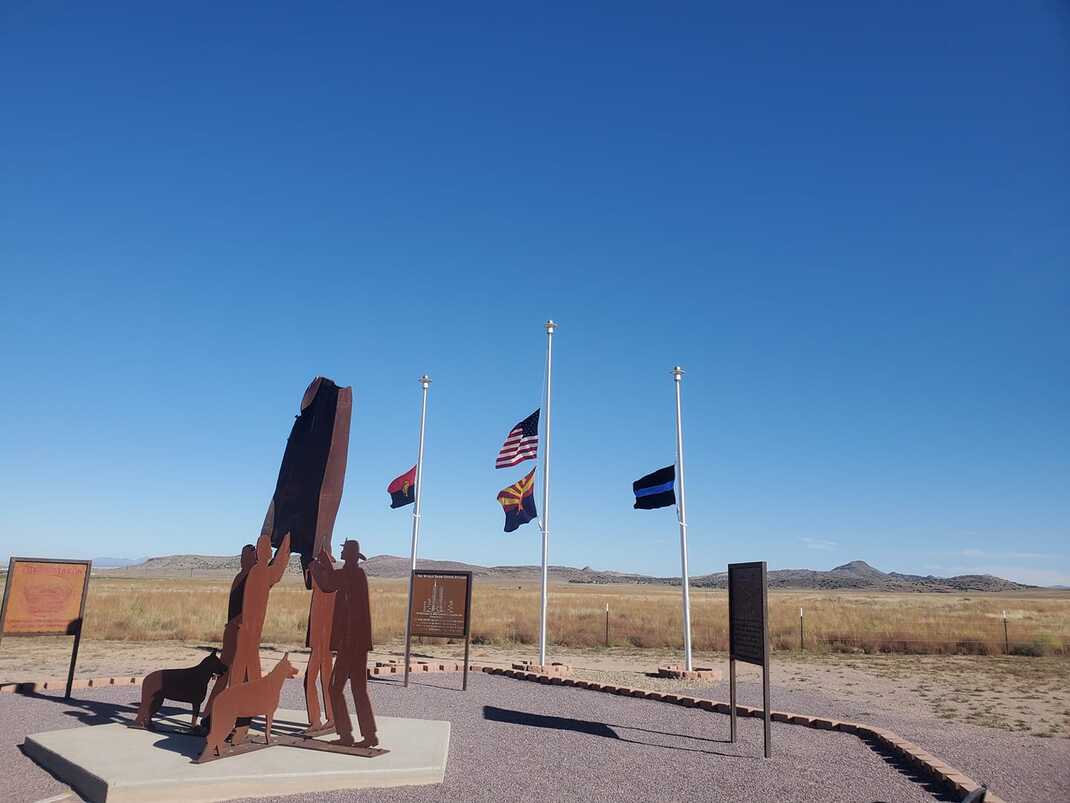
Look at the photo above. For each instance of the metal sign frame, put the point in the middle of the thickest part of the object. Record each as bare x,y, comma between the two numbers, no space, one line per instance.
75,629
732,657
411,630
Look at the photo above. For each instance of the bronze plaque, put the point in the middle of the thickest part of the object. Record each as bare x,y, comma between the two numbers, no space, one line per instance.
44,597
440,604
747,613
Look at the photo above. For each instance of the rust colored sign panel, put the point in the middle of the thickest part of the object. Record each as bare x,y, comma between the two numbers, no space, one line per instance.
441,602
44,597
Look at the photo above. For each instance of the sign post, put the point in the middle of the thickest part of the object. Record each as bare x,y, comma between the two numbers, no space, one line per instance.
46,597
748,633
441,608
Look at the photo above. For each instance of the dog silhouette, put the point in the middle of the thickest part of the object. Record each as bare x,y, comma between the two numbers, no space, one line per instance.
185,685
258,697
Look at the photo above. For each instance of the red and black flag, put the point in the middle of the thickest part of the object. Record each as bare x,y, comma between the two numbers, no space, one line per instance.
522,443
655,489
518,502
403,490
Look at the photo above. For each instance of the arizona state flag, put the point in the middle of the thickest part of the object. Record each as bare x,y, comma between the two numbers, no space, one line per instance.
655,489
403,490
518,502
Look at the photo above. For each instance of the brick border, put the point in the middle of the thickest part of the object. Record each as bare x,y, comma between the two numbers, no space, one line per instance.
936,770
931,767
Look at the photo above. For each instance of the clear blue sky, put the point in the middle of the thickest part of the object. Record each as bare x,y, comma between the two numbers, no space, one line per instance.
849,224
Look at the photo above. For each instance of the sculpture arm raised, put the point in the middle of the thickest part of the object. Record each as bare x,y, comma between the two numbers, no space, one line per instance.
278,564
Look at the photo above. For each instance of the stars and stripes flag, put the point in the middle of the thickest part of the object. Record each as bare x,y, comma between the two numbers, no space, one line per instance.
521,444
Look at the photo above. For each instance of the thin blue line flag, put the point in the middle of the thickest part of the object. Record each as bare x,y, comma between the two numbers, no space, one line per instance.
655,489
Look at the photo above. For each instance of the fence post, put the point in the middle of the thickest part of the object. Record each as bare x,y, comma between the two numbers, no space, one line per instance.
1006,639
607,624
801,642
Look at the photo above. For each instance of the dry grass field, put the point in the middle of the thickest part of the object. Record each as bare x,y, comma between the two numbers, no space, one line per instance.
644,617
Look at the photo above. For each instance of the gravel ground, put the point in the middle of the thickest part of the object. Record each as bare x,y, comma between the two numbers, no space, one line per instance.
515,740
1018,767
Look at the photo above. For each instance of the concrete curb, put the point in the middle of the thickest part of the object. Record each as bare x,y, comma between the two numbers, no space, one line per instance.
880,739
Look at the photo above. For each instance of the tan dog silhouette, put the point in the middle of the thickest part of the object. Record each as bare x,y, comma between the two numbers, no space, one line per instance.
255,698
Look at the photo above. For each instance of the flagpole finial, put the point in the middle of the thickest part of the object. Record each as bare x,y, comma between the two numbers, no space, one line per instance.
550,327
425,380
677,372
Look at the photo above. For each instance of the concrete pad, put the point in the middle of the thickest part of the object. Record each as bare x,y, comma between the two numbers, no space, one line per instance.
114,763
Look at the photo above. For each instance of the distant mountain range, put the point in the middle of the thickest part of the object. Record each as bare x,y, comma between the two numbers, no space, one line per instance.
854,575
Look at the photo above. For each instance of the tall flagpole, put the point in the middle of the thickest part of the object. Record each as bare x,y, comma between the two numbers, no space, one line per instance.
425,383
550,327
677,375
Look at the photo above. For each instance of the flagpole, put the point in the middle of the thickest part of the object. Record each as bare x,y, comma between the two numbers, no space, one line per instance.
425,383
550,327
677,375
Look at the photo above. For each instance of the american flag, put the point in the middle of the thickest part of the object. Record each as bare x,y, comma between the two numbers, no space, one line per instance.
521,444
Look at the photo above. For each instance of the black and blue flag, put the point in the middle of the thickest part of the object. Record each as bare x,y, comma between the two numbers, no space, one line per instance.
655,489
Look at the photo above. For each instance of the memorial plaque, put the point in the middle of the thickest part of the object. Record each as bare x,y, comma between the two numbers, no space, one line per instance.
44,597
440,604
747,613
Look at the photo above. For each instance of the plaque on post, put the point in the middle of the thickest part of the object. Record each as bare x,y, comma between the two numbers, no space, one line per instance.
46,597
748,632
441,608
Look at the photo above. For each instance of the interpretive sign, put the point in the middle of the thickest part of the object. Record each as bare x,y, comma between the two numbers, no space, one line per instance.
748,632
45,597
746,613
441,604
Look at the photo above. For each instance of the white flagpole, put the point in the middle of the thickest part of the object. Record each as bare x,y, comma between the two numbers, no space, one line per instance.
425,383
681,504
550,327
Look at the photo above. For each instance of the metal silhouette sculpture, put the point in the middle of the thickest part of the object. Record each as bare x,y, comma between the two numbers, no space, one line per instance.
312,475
184,685
351,636
230,631
260,578
259,697
320,618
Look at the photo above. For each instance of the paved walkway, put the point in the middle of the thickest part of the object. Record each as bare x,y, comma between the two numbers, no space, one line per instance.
522,741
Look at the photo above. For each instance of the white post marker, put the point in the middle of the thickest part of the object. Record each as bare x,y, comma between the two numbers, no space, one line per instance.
677,375
550,327
681,509
425,383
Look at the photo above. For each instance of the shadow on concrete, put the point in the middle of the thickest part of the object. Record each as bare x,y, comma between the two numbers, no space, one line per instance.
591,728
98,712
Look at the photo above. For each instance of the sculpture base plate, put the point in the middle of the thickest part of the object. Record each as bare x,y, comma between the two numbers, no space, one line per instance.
114,763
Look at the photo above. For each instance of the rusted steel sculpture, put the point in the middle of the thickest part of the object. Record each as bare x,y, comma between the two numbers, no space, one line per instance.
320,617
263,574
351,636
259,697
312,475
230,631
185,685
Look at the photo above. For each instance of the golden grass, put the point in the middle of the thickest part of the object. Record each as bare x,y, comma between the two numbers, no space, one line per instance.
640,616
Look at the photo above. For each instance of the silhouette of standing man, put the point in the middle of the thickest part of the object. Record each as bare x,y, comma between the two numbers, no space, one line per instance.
230,632
320,617
258,582
351,636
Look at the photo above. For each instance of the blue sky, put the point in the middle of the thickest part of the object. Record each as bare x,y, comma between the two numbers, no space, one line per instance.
848,224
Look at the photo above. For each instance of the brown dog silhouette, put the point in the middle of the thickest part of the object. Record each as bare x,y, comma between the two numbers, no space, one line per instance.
185,685
255,698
